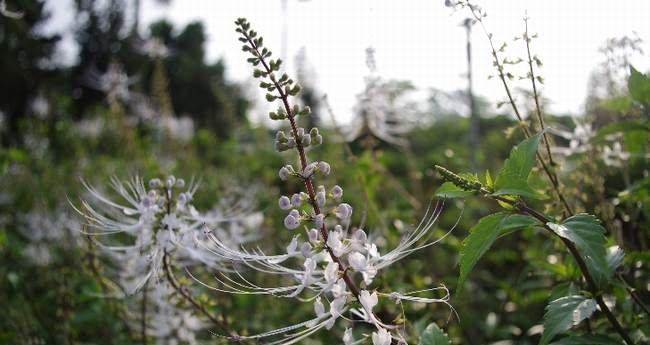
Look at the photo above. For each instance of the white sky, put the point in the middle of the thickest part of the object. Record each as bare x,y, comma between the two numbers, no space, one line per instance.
417,40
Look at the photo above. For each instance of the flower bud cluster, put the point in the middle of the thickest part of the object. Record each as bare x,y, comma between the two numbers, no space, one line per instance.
284,142
329,258
461,182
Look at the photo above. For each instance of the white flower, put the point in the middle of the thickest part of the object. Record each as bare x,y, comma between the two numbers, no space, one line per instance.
306,250
335,243
357,261
171,222
319,308
284,202
347,337
337,306
339,288
381,337
368,300
331,273
293,245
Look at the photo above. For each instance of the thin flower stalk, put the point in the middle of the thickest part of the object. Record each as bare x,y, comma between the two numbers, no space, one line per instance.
323,267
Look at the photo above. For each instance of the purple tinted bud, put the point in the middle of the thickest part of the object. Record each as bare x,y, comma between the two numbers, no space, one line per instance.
284,203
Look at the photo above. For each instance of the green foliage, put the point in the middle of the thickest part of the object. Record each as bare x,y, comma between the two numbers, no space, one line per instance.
433,335
564,313
482,236
587,233
589,339
639,86
513,177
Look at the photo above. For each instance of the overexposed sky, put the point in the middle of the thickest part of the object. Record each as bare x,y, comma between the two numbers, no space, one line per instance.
417,40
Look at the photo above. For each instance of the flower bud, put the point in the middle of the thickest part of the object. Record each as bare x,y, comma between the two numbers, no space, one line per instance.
283,173
180,183
314,132
313,235
324,167
337,192
171,181
291,222
291,143
320,199
182,198
155,183
318,220
318,139
309,170
306,140
300,131
284,202
360,236
343,211
281,137
295,200
305,250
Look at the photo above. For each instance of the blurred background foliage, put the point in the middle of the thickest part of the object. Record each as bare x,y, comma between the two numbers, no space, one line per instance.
150,105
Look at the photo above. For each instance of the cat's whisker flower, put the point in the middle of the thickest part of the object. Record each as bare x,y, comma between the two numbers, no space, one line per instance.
326,261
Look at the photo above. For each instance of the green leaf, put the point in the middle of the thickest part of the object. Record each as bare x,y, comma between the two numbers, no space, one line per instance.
588,339
513,177
433,335
615,257
621,126
639,86
449,190
483,234
588,235
564,313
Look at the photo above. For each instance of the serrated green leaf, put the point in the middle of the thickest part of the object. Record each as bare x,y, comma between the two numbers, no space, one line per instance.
639,86
513,176
615,257
482,236
564,313
433,335
585,231
588,339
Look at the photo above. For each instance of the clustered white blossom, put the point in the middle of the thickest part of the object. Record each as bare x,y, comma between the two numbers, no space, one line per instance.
381,111
327,262
169,323
162,227
581,141
44,230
